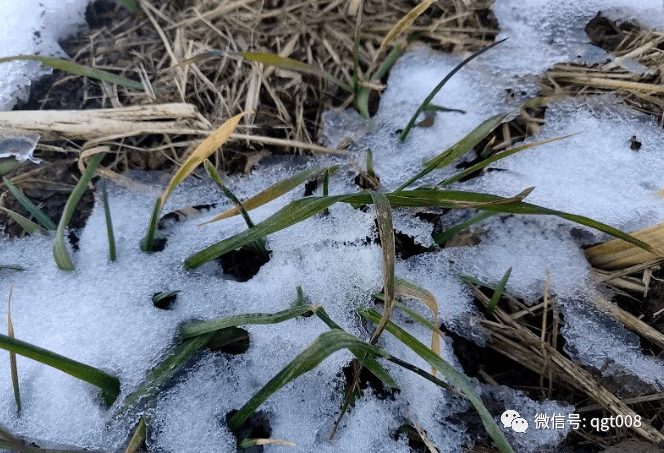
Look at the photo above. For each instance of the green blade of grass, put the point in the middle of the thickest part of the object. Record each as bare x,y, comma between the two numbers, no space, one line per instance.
273,192
457,378
458,149
440,85
12,355
289,215
28,225
500,289
368,361
326,344
164,371
148,241
444,236
304,208
497,157
29,206
386,235
73,68
260,243
370,169
109,385
60,253
7,165
12,267
292,65
196,328
109,222
131,5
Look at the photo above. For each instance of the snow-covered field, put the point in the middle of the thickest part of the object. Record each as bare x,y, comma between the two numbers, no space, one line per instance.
594,173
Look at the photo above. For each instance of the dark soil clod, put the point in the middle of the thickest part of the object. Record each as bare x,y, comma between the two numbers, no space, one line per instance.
244,263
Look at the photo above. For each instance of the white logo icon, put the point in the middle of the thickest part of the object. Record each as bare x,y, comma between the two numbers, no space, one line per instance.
512,419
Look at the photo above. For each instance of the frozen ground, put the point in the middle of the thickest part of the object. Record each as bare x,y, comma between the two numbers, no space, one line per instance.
102,314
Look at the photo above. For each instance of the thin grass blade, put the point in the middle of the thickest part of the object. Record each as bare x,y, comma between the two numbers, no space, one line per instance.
444,236
197,328
291,214
28,225
326,344
457,378
497,157
73,68
386,234
12,355
260,243
292,65
458,149
139,436
440,85
29,206
273,192
500,289
162,373
109,385
11,267
131,5
204,150
403,24
109,222
60,253
16,444
148,241
368,361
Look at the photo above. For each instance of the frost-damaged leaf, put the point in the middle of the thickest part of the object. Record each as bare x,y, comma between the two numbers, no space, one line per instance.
109,385
404,23
326,344
28,225
404,288
139,436
247,443
204,150
12,355
73,68
440,85
458,149
273,192
60,253
386,234
458,379
293,65
504,154
29,206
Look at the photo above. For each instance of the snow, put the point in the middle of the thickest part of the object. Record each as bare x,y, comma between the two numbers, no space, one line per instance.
102,314
31,28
